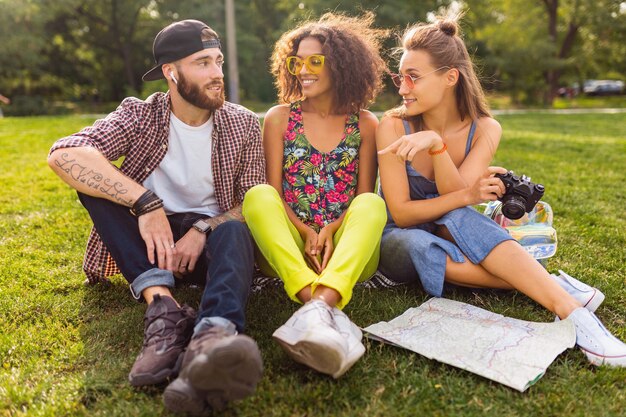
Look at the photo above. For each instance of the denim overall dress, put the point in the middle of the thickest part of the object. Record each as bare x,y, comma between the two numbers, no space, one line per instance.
412,253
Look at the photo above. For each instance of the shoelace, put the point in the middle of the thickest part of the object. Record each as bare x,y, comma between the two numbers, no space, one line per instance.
157,335
326,316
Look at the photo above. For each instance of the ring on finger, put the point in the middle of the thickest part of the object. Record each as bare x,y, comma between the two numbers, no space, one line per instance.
173,246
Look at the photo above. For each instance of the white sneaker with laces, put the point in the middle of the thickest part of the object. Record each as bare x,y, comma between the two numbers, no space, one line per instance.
353,336
596,342
312,337
588,296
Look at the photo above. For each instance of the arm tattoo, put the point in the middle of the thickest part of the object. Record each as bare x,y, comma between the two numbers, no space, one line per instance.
232,214
93,179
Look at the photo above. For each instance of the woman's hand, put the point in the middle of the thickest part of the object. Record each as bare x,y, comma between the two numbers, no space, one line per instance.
325,245
311,248
407,146
488,187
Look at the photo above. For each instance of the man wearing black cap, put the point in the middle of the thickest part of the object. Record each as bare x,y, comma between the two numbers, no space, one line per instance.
173,209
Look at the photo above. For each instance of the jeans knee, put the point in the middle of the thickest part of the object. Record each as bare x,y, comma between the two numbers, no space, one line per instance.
231,237
233,229
395,244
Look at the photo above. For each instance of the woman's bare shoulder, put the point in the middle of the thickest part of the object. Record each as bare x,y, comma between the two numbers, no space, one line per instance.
278,112
390,125
277,117
367,116
368,120
488,124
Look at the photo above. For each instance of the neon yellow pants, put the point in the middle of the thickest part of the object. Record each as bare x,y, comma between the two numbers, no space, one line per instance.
357,243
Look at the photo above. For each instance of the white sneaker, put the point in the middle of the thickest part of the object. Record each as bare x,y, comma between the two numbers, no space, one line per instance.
353,336
596,342
311,337
588,296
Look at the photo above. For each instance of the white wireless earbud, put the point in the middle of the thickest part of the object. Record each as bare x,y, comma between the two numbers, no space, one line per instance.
173,78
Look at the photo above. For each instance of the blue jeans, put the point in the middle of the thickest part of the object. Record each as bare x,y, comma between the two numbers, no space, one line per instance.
225,268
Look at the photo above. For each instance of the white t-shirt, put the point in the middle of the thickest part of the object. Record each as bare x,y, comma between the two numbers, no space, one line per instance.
184,179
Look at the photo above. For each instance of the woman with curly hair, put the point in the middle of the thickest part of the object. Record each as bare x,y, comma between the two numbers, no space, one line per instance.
318,223
434,159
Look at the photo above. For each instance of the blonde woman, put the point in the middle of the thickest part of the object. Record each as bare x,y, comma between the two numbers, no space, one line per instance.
434,155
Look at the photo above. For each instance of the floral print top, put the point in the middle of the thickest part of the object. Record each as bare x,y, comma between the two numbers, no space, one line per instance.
319,186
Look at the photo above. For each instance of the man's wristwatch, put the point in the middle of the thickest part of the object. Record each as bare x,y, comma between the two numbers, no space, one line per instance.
202,226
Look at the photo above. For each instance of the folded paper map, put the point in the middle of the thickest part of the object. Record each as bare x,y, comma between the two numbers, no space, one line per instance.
513,352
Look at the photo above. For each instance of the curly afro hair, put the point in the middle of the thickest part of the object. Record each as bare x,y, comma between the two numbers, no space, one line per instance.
351,47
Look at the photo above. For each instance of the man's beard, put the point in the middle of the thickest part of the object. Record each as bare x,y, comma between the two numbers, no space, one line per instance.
197,96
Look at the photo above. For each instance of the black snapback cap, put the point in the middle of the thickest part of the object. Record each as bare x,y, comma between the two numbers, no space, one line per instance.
177,41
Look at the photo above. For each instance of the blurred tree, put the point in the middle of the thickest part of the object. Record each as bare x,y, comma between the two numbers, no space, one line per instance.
507,39
99,49
529,47
601,52
110,39
575,26
23,41
257,26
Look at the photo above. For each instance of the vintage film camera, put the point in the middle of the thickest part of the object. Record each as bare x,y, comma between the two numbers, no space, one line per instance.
521,195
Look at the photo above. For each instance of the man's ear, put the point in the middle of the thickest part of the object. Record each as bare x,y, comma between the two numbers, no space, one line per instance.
167,70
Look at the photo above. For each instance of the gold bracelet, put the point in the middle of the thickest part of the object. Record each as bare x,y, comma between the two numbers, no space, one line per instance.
442,150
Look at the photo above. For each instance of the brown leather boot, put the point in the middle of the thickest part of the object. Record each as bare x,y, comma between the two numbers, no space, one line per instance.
167,330
218,367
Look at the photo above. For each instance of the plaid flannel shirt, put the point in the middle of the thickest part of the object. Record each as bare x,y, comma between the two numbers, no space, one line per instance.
139,131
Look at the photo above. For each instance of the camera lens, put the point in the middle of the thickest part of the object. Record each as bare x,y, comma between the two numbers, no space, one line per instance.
514,207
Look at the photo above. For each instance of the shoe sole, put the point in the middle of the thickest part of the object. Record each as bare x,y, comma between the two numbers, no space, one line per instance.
353,356
140,380
599,360
350,331
180,397
594,302
322,354
229,372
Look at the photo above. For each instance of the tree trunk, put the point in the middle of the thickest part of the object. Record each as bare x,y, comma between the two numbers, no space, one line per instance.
549,75
124,43
552,76
127,56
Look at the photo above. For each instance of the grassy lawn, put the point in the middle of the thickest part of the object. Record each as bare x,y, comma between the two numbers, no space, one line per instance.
66,349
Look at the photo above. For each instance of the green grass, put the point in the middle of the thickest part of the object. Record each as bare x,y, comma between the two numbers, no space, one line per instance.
66,349
583,101
503,101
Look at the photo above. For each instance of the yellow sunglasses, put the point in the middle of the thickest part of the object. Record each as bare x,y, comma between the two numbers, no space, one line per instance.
314,64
